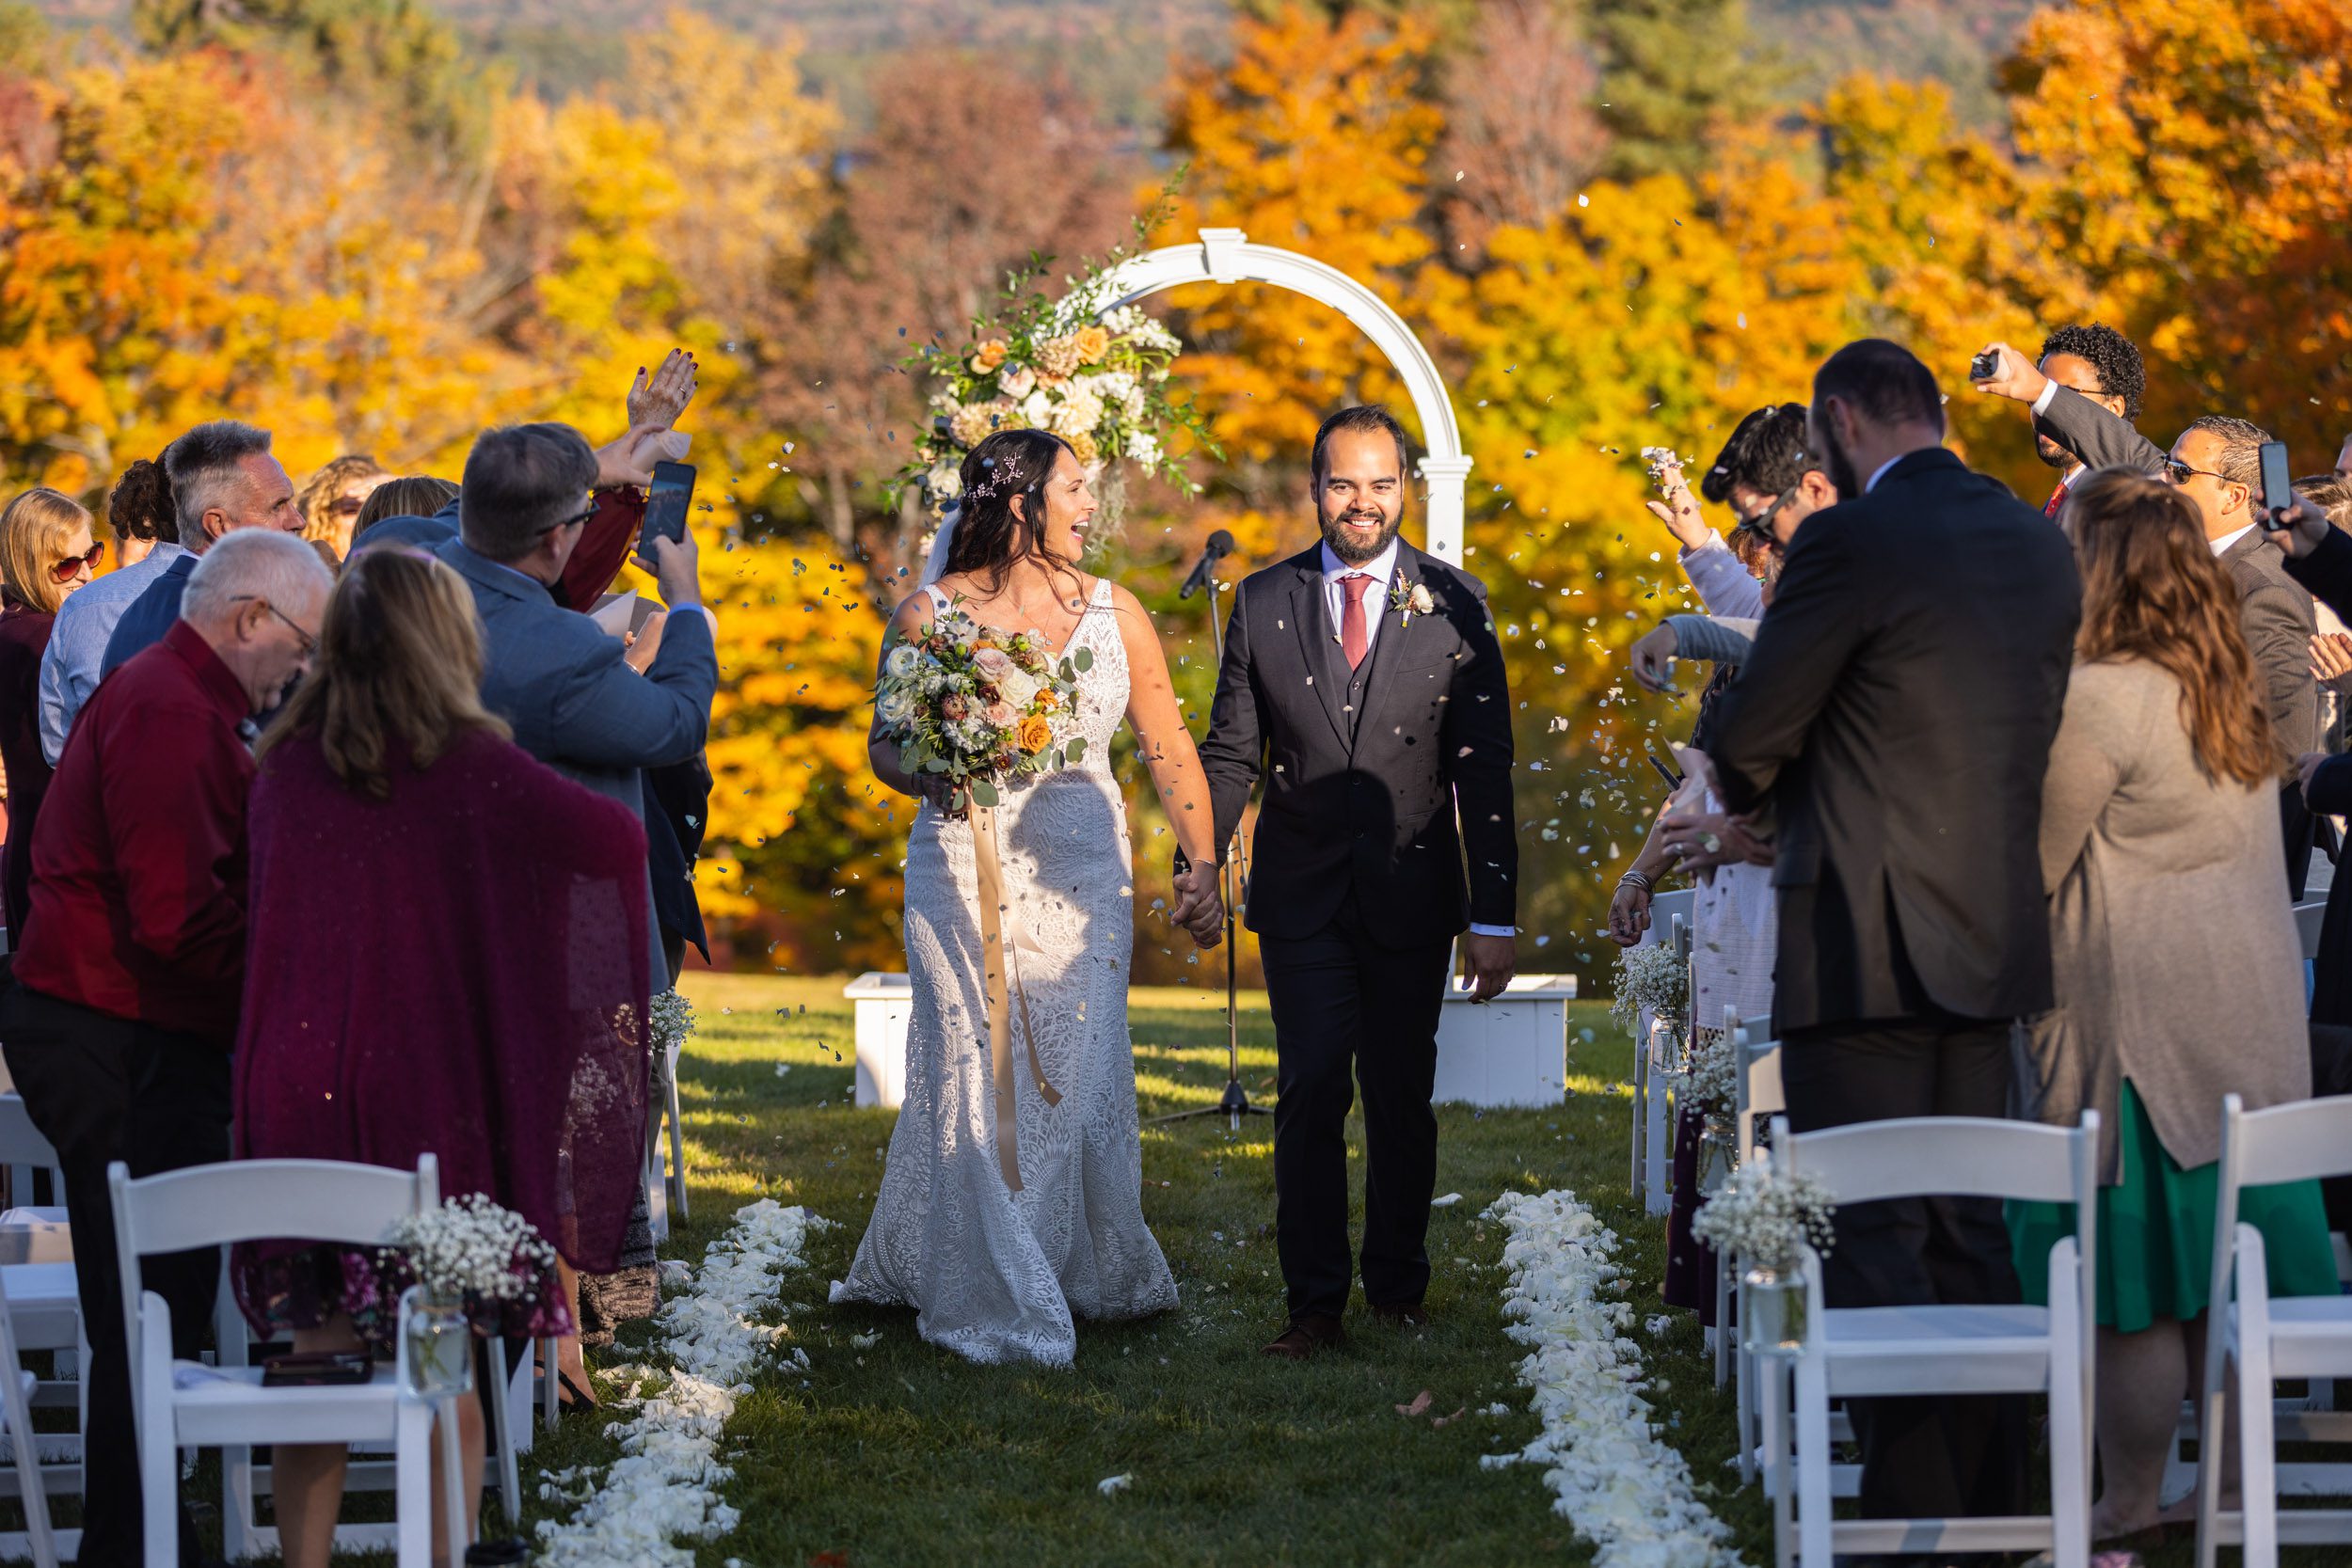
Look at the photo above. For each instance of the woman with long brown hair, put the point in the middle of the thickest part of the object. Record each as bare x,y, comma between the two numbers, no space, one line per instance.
447,955
46,554
2176,965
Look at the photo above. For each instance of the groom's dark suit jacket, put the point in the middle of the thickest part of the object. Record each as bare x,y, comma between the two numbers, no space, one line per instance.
1366,799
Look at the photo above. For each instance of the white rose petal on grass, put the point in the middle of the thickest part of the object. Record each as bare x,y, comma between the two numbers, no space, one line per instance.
1111,1485
1622,1488
866,1341
1446,1202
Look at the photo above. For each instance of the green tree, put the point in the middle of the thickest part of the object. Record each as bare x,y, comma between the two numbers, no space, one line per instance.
1673,73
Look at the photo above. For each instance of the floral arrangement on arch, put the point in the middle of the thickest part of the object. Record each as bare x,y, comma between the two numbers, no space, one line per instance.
1097,379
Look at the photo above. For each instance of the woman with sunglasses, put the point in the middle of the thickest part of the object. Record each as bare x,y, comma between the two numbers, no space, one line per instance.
46,553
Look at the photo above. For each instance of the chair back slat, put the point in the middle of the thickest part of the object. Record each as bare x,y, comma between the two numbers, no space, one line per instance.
2307,920
252,1200
1939,1157
21,1142
2298,1142
1667,907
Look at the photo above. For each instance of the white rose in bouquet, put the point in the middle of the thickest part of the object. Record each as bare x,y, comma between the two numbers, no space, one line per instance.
902,660
894,707
1017,688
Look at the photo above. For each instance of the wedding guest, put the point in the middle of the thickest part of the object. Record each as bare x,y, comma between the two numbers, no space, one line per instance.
223,478
2216,462
139,507
2343,459
536,952
2083,368
119,1025
46,555
2314,557
412,497
1896,714
2175,962
329,500
564,686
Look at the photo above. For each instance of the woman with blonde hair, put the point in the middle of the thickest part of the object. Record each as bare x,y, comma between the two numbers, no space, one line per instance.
46,554
483,1001
329,500
2178,974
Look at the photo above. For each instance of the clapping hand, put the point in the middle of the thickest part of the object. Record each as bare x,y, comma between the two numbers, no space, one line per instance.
655,404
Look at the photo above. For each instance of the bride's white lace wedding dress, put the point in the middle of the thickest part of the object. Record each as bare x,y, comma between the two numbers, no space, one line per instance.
995,1274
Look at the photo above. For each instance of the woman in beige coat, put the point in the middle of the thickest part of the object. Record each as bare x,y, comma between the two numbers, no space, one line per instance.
2179,977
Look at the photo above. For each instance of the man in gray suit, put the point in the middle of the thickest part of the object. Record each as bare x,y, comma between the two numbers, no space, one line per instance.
552,673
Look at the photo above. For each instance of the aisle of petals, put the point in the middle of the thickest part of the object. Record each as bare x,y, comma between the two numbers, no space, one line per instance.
1624,1489
664,1489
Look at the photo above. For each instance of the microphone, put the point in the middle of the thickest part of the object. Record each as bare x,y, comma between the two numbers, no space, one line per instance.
1219,547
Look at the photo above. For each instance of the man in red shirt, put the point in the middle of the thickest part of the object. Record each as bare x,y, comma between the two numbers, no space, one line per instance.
120,1026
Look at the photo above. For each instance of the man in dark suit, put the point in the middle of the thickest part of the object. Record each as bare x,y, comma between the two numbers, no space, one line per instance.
1896,716
2218,464
1364,682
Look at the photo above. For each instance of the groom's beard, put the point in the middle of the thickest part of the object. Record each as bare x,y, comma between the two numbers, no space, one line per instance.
1348,547
1839,470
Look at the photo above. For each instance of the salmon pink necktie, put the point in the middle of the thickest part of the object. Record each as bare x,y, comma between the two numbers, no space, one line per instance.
1352,617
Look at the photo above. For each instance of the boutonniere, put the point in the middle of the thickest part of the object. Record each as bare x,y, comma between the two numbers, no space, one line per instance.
1409,599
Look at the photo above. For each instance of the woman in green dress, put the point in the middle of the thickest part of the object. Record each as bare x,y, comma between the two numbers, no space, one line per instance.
2179,976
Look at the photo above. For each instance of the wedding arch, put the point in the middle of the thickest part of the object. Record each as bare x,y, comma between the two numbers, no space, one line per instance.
1227,255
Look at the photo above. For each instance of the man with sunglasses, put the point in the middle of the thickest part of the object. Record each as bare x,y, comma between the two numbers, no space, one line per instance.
552,673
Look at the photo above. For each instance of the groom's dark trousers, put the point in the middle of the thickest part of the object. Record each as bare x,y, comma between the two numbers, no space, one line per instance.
1341,1002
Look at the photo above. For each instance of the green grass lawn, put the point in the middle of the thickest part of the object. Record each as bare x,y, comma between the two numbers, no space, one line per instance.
903,1454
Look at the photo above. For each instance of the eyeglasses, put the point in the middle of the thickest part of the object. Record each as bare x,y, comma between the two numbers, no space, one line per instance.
2178,472
309,644
72,567
574,520
1760,522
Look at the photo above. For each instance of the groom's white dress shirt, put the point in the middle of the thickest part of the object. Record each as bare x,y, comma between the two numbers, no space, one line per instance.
1381,568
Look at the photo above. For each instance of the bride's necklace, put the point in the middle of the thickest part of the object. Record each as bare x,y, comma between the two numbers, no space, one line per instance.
1022,616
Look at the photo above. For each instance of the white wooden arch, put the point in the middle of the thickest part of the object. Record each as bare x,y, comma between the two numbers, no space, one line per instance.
1226,256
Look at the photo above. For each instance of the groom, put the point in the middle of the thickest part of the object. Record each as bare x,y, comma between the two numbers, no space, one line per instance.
1364,682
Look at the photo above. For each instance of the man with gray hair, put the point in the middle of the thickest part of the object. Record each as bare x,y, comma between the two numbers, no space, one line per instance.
120,1026
223,478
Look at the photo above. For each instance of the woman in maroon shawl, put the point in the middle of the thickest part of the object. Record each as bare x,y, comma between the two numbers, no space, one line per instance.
447,956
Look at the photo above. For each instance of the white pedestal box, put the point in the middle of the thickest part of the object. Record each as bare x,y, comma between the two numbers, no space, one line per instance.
1510,1052
1513,1051
884,1003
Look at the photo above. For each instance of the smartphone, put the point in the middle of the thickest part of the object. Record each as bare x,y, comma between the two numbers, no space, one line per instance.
318,1370
2278,490
673,492
1674,779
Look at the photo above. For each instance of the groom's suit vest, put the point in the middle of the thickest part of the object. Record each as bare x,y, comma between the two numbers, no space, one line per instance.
1366,772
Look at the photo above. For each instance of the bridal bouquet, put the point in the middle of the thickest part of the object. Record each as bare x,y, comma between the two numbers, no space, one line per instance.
979,707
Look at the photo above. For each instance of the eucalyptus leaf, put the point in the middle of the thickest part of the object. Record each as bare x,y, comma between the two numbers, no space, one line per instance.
1082,659
983,793
1078,748
934,764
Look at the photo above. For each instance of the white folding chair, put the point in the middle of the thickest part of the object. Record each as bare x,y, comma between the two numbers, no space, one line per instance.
2307,920
2263,1339
25,1151
1669,914
186,1404
36,1540
1858,1353
1756,1091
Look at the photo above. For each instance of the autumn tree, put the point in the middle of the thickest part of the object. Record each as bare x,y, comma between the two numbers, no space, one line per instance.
1674,73
1521,135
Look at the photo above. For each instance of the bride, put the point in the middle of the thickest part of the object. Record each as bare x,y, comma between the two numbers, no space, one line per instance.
995,1274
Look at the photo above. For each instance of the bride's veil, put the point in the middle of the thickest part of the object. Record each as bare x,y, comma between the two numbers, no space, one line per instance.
943,541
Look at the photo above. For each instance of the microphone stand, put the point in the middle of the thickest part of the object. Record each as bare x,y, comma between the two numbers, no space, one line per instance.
1233,879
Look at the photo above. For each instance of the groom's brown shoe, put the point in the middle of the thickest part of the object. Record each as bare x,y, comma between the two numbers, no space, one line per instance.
1402,1314
1306,1336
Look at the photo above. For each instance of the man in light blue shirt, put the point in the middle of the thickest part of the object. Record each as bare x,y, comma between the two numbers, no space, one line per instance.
69,670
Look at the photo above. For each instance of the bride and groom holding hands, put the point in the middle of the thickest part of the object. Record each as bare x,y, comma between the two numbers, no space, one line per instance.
1362,686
